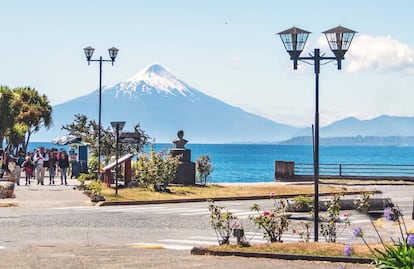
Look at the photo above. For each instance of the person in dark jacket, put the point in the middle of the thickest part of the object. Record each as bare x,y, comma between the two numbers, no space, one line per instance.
63,163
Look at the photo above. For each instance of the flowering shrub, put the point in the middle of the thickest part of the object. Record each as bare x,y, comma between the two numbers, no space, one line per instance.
274,222
304,231
223,223
329,224
398,254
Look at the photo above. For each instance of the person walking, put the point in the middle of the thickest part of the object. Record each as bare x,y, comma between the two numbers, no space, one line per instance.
41,159
53,160
18,168
63,163
28,169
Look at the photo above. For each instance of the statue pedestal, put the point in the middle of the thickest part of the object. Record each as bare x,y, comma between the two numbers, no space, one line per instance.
186,168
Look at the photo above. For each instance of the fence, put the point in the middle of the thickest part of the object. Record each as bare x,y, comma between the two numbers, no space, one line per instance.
352,170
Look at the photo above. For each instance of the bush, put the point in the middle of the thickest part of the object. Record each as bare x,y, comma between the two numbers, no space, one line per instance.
204,168
83,177
156,168
95,187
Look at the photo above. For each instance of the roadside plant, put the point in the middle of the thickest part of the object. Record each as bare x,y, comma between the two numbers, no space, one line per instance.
155,169
95,187
273,223
303,203
223,223
362,204
303,229
204,169
397,254
329,224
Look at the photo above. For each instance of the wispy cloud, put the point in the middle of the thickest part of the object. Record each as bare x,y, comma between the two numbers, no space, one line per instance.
381,53
234,60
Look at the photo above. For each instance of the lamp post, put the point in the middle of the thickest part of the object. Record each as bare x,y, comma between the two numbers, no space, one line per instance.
294,40
113,52
117,126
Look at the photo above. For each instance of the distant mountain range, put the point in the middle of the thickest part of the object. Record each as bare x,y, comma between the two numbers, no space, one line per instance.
163,104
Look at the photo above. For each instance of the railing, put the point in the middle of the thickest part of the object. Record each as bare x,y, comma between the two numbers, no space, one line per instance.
383,170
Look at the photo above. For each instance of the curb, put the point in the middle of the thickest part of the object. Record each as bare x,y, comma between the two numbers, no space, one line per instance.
192,200
204,251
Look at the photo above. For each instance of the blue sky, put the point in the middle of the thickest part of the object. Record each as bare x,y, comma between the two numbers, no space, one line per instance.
227,49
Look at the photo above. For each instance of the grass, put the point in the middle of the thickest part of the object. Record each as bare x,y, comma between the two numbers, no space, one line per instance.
359,250
214,191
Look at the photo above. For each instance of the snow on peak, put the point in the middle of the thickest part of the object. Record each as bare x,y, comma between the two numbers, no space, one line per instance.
154,77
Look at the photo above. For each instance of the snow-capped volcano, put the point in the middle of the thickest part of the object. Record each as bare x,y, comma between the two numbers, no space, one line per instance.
154,78
163,104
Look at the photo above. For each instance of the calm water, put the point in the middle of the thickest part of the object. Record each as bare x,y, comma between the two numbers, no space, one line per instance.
255,163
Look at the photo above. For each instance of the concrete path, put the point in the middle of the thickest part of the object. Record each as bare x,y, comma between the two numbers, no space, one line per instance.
47,196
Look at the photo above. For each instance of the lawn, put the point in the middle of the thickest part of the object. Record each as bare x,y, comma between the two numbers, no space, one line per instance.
359,250
215,191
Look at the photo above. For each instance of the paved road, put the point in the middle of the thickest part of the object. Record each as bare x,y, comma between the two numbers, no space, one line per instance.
56,226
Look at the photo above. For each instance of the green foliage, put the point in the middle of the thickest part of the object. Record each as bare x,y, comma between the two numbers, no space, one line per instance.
23,111
397,255
204,168
156,168
83,177
88,131
303,229
362,203
93,163
274,222
303,203
329,223
95,187
222,222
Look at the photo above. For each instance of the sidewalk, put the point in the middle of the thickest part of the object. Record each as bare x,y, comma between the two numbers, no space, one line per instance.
47,196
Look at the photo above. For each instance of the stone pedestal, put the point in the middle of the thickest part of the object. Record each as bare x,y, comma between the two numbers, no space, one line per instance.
186,168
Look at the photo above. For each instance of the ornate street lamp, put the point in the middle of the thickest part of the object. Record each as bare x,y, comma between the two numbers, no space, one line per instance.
113,52
117,126
294,40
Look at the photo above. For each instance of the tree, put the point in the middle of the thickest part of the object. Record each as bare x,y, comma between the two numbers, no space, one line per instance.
34,111
88,131
7,111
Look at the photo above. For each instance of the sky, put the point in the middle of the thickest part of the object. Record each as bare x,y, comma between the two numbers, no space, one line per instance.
229,50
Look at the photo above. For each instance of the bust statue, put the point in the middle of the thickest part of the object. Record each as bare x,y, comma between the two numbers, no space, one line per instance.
180,141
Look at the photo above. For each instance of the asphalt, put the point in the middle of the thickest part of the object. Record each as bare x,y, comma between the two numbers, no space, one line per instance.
108,256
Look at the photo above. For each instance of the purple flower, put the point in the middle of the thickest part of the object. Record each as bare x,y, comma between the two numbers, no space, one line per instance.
410,240
342,267
357,232
347,250
388,213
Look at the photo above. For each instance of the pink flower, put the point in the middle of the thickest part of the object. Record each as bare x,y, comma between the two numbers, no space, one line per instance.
294,231
346,214
266,213
272,194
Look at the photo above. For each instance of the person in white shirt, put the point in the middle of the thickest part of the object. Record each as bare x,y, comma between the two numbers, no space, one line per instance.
41,159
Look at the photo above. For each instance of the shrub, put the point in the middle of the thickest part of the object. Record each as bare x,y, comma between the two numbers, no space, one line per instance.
93,163
83,177
156,168
222,222
204,168
95,187
274,222
329,224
